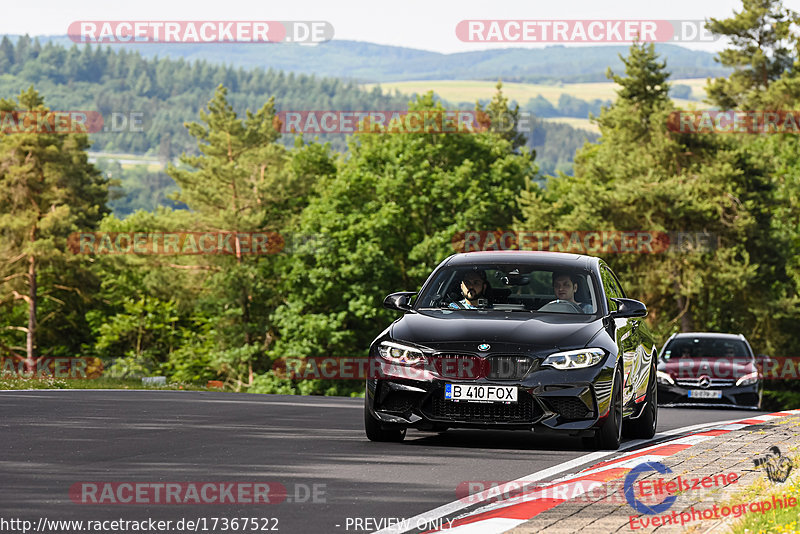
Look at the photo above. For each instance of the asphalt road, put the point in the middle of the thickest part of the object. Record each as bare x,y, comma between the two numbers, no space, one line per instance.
52,440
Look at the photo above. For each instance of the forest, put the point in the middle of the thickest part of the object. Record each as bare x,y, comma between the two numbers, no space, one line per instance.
378,217
170,92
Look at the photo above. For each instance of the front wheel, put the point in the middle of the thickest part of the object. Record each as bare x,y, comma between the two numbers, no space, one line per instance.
377,432
645,426
609,436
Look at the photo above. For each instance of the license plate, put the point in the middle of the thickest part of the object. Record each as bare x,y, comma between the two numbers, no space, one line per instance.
705,394
478,393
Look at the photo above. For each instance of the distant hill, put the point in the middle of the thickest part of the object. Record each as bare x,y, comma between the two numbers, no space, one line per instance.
167,92
368,62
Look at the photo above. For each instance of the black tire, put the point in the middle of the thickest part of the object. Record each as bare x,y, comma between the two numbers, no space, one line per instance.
377,431
644,427
609,435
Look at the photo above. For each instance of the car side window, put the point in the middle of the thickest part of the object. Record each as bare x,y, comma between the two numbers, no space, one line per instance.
611,287
615,282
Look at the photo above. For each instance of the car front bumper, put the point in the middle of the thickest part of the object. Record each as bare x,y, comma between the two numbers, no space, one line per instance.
572,401
732,396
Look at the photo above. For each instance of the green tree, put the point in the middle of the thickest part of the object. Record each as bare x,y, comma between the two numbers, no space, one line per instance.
765,50
147,309
135,338
386,219
644,86
6,54
761,38
502,119
244,181
642,177
47,190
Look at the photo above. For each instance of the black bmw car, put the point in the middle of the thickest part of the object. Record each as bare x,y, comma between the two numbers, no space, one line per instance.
539,341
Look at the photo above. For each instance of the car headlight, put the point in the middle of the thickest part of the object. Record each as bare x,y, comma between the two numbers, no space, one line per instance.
664,378
748,379
402,354
575,359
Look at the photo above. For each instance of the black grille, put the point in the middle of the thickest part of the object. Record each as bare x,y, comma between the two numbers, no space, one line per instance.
523,411
569,407
510,366
458,366
496,366
399,401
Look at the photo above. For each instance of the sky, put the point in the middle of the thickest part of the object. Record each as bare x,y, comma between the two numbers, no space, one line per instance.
422,24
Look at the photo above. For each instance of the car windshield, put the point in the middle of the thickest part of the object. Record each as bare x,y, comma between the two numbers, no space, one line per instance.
698,347
511,287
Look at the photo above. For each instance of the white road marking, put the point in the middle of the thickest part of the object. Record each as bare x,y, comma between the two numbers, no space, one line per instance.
265,402
451,508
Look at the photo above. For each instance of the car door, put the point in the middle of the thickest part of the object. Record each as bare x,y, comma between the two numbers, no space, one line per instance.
634,340
625,333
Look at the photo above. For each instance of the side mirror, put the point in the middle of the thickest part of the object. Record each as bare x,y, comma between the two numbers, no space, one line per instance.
763,359
629,308
400,301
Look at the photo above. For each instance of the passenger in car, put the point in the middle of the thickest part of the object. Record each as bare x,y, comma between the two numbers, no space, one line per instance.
565,286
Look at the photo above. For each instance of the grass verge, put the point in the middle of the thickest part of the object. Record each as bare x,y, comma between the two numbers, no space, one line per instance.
782,520
97,383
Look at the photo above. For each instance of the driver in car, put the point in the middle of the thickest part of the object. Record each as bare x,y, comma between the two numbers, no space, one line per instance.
565,286
473,287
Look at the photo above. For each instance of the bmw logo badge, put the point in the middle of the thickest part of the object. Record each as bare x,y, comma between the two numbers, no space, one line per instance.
484,347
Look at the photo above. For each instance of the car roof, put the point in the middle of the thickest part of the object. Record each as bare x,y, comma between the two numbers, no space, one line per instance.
557,259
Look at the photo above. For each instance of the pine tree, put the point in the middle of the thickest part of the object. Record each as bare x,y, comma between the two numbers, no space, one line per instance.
244,181
761,38
502,119
6,55
642,177
48,189
644,85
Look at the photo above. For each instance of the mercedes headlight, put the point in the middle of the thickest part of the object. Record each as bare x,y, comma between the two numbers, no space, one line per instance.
748,379
575,359
664,378
401,354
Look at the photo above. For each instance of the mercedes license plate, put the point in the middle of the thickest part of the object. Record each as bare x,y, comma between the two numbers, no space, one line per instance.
705,394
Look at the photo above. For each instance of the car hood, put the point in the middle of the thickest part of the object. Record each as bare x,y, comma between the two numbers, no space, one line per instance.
711,367
464,330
